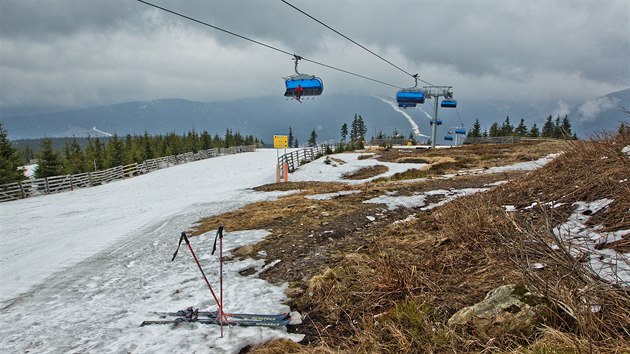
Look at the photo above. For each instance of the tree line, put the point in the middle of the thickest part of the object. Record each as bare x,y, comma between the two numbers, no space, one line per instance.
112,152
350,139
559,129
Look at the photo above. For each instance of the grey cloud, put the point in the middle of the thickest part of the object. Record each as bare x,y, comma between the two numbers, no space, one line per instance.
502,44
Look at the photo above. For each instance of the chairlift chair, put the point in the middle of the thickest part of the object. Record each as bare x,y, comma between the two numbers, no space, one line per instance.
311,85
410,96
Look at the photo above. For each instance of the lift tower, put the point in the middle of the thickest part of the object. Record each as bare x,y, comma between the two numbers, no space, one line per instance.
436,92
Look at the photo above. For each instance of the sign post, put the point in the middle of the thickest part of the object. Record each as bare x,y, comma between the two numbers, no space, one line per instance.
281,141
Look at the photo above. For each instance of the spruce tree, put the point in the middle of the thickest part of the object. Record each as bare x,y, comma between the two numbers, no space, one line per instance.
312,140
115,152
362,130
566,127
548,128
507,129
494,130
74,158
344,132
9,160
475,132
557,129
48,161
521,129
291,137
412,139
534,132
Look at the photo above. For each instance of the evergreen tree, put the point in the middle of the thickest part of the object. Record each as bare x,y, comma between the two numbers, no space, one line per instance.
48,161
74,158
115,152
412,139
312,140
534,132
566,126
557,129
548,128
362,130
354,129
344,132
521,129
475,132
101,154
147,150
291,137
297,143
9,160
205,140
507,129
494,130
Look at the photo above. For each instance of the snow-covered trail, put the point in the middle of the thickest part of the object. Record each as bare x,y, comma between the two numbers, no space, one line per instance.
43,235
81,270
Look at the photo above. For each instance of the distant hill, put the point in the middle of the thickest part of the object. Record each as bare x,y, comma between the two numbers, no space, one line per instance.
262,117
600,114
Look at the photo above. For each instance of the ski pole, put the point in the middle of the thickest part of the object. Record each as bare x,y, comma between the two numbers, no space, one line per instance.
183,237
214,248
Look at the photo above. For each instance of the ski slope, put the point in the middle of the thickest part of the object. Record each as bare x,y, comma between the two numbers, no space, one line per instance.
80,270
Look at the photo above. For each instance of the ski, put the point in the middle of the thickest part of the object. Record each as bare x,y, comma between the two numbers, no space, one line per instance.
215,321
194,313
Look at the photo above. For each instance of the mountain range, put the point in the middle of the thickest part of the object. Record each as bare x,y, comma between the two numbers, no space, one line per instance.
265,116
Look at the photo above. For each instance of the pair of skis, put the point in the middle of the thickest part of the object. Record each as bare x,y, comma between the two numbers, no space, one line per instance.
219,317
192,315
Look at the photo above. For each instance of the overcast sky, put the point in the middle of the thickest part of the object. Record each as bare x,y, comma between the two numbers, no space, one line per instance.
92,52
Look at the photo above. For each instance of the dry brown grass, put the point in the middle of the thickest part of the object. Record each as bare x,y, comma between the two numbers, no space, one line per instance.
391,288
469,157
366,172
398,295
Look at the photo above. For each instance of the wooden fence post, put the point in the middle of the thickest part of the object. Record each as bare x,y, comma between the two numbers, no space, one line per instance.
22,189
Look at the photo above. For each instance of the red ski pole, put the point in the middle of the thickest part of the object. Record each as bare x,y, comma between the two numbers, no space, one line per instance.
219,304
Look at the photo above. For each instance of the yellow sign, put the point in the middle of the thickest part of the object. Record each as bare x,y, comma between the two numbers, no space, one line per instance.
280,141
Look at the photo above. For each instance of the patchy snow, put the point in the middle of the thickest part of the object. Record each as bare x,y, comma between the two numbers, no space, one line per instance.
319,171
582,240
328,196
81,270
523,166
626,150
419,199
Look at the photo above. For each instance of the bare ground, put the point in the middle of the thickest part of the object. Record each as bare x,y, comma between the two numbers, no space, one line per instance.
329,249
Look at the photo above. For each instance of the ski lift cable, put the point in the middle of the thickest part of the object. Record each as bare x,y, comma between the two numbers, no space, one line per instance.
355,42
263,44
458,118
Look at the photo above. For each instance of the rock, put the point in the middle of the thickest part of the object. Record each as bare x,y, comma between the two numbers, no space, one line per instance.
508,308
243,251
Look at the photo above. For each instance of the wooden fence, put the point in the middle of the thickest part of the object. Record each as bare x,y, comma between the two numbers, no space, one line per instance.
56,184
296,158
504,139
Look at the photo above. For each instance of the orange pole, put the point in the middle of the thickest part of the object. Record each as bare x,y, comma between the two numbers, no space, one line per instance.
277,173
286,172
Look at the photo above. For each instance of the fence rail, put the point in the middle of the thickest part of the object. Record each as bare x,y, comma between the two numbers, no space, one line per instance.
299,157
504,139
57,184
